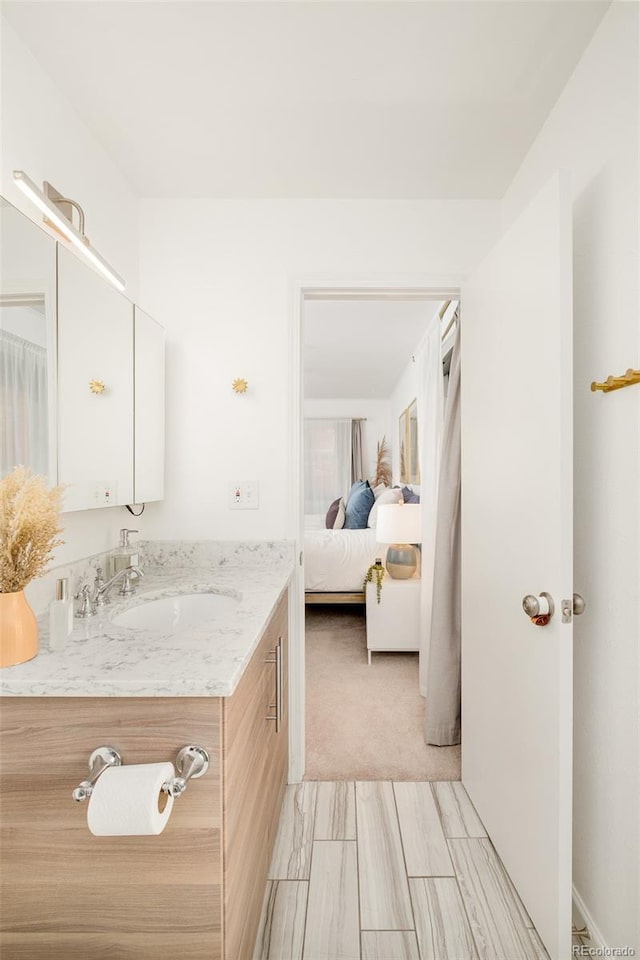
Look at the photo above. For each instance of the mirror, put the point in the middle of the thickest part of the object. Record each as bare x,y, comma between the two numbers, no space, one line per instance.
95,403
409,461
27,345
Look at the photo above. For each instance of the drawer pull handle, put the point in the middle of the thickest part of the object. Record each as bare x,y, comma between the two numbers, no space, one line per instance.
278,659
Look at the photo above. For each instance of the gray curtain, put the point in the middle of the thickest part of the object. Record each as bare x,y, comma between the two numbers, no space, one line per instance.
357,451
442,720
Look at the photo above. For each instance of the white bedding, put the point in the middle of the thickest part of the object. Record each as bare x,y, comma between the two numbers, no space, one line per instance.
337,560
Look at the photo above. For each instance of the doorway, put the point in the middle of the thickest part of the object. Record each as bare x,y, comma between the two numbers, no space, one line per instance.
343,692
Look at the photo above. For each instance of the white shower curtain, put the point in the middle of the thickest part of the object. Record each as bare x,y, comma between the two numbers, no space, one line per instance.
430,414
24,422
442,720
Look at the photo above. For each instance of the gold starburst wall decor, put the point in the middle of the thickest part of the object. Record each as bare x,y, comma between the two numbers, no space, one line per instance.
240,385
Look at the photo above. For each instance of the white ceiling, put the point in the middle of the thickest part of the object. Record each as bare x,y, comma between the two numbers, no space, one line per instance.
357,349
317,99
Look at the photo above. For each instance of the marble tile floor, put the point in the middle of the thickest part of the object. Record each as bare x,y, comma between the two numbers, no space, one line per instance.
377,870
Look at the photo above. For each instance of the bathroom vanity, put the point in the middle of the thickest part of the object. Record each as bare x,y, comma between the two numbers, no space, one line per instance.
196,890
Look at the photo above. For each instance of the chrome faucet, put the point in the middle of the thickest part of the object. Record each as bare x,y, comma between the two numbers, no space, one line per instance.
100,596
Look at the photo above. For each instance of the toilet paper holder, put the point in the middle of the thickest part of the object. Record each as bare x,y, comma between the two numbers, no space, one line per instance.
192,762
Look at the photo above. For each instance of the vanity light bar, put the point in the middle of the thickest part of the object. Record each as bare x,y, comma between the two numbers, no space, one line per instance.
29,188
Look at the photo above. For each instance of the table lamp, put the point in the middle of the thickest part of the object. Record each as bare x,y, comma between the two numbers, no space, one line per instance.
398,524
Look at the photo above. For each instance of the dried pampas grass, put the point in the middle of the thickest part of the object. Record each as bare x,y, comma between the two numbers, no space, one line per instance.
383,467
29,528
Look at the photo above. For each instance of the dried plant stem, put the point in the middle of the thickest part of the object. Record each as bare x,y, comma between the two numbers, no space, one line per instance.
383,467
29,528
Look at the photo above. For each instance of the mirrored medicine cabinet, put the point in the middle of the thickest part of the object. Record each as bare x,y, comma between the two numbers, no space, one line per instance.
81,374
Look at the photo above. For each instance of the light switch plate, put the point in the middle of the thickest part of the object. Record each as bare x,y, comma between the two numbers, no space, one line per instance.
104,494
86,496
243,495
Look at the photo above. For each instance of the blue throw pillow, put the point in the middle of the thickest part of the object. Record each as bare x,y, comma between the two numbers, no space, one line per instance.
409,496
361,499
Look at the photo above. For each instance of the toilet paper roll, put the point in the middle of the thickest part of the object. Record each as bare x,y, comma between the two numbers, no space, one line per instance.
127,801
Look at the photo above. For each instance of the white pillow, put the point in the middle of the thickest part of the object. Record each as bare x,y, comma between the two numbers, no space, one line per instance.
341,515
377,491
388,496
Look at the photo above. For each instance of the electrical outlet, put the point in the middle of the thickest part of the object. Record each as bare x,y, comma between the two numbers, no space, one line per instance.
243,495
104,494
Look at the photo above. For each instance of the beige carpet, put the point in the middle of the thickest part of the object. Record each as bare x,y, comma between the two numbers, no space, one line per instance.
365,723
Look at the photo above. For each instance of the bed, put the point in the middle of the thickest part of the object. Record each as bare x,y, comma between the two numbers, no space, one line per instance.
336,561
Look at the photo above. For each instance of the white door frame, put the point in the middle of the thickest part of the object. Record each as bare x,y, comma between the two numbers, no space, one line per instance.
422,287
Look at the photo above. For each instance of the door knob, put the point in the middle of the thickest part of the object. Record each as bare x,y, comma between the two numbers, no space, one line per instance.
540,606
578,605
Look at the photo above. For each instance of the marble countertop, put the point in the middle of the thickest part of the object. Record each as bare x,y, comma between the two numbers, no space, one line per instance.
101,659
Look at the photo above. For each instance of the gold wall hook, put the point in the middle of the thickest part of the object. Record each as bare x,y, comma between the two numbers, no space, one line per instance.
617,383
97,386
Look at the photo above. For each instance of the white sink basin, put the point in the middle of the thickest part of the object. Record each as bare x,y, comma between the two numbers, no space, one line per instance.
174,614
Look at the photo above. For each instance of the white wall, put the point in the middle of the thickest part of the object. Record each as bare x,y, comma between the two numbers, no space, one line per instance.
592,131
219,274
42,135
374,412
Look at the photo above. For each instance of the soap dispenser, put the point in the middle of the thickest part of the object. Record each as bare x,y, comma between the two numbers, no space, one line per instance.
60,616
124,555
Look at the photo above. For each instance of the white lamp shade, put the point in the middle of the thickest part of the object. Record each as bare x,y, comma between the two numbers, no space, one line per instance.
398,523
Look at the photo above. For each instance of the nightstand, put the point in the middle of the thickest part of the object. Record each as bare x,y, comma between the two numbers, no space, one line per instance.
394,623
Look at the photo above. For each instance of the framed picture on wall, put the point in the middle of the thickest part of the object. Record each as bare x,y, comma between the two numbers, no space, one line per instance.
409,460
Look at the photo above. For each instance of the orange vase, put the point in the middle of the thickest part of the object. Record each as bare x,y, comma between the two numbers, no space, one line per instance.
18,629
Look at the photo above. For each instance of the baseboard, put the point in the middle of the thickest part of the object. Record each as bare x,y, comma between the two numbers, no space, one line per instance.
597,940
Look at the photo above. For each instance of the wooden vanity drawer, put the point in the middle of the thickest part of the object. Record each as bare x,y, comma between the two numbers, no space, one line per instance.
255,773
